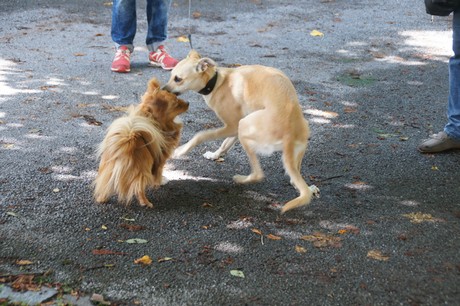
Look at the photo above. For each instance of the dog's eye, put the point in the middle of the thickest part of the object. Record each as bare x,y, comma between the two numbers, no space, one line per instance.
177,79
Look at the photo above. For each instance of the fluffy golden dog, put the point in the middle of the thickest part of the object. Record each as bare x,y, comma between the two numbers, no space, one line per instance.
136,147
257,105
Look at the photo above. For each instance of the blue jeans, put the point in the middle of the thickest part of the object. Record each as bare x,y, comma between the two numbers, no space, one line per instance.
124,22
452,127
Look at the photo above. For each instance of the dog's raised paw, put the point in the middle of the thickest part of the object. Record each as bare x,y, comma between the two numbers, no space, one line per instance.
211,155
315,190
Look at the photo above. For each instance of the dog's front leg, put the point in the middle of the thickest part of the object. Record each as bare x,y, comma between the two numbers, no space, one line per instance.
226,145
204,136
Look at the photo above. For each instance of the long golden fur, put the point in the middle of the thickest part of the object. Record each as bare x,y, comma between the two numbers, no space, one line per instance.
137,146
258,106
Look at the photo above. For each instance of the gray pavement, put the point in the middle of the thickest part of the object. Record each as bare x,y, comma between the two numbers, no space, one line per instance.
384,232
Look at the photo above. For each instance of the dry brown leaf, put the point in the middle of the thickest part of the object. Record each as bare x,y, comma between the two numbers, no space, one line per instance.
273,237
321,240
23,262
255,230
377,255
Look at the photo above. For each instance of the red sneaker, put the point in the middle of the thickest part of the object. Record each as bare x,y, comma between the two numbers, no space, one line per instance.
161,58
121,62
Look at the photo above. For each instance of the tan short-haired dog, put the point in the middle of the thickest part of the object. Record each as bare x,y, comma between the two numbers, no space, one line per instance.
259,106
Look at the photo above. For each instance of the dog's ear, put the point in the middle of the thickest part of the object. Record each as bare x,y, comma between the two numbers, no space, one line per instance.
204,64
153,85
194,55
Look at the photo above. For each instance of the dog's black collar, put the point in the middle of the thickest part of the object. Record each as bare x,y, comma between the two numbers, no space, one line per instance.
209,86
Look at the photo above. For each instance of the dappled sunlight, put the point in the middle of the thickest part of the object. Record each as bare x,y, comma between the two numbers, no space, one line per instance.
178,175
410,203
358,186
228,247
437,43
64,174
8,67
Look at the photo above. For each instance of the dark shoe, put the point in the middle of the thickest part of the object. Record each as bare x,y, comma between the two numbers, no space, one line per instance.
438,143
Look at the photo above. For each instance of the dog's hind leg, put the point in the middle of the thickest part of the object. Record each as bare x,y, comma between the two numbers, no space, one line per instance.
227,144
251,137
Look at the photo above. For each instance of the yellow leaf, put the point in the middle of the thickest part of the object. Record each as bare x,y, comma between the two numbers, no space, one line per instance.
23,262
419,217
377,255
165,259
104,227
316,33
182,39
300,249
273,237
144,260
342,231
434,168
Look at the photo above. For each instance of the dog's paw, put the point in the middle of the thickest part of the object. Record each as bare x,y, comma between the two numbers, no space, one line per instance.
180,151
246,179
315,191
211,155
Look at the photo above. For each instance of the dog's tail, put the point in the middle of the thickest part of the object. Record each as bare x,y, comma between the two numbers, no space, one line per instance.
131,147
292,159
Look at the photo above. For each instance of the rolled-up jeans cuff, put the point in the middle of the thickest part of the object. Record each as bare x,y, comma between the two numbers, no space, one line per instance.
130,47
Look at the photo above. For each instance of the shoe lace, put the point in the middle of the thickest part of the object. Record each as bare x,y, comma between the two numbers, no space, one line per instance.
122,54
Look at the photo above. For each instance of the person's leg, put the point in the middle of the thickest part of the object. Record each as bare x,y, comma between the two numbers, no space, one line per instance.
123,32
157,19
124,22
450,137
452,128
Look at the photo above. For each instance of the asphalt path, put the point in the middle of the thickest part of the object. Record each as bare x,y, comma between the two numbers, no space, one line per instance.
373,84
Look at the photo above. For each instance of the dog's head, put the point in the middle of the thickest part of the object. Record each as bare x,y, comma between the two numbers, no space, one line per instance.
160,104
191,73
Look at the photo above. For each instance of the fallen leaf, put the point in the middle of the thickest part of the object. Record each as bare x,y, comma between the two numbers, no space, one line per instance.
237,273
316,33
255,230
104,227
300,249
419,217
321,240
273,237
56,190
163,259
206,205
144,260
196,15
434,168
136,240
23,262
12,214
183,39
342,231
377,255
79,54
